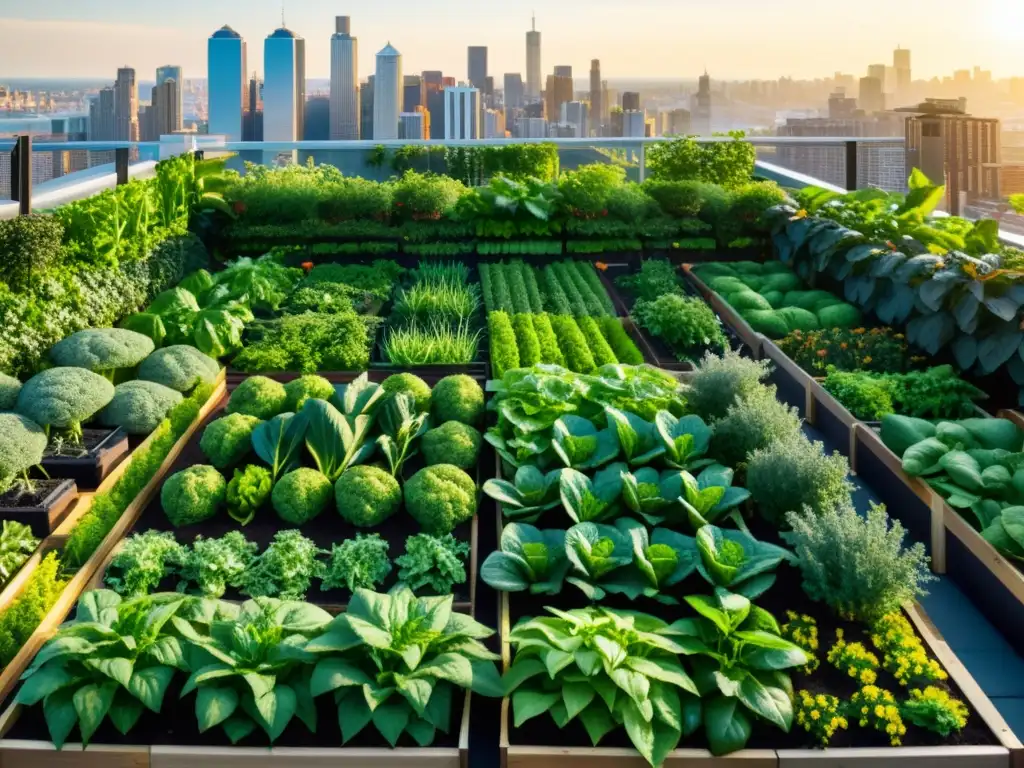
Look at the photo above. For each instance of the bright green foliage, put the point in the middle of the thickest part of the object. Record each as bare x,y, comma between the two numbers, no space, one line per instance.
857,566
64,397
742,301
258,396
532,493
599,347
572,342
622,346
528,559
402,426
790,475
935,393
840,316
23,616
755,421
297,391
687,325
901,432
457,398
141,563
22,443
440,498
9,389
102,350
179,367
406,658
16,544
193,495
308,343
285,569
228,440
504,347
452,443
934,709
139,406
737,561
248,490
526,340
212,565
300,496
719,382
549,351
867,398
359,563
367,496
410,384
655,278
437,562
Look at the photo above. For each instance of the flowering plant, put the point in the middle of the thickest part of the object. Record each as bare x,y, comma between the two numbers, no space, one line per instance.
880,350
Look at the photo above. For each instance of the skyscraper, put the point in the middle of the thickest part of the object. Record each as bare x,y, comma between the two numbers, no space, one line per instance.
252,118
533,62
164,116
513,90
284,86
227,84
563,70
462,112
630,101
387,93
317,118
872,99
366,108
412,125
701,118
477,67
559,90
126,106
877,71
901,62
414,93
171,72
101,116
344,81
575,113
596,110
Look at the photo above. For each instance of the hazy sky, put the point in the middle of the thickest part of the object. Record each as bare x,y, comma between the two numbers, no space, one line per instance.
734,39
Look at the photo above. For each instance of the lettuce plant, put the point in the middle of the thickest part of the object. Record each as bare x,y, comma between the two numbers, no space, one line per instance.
662,559
528,559
580,445
737,561
403,424
587,500
396,661
686,440
531,494
596,551
710,496
639,440
609,669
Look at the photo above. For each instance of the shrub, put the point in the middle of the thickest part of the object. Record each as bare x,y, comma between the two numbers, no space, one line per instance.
452,443
840,316
687,325
298,391
260,397
22,443
409,384
526,340
30,246
585,191
228,440
64,398
301,495
720,381
9,389
441,497
354,198
139,406
857,566
102,350
750,201
678,199
367,496
768,321
179,367
573,344
753,422
729,163
193,495
457,398
549,351
795,474
504,348
629,203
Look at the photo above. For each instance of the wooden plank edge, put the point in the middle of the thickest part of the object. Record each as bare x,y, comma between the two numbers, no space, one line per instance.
163,756
620,757
464,732
987,555
964,680
872,442
823,397
1014,416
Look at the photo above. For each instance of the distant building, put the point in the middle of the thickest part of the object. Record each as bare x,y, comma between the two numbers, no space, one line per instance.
226,83
477,67
559,90
317,119
462,113
841,106
252,118
901,63
596,93
514,91
634,123
101,116
563,71
414,93
533,83
702,106
387,96
530,128
412,125
165,74
126,106
366,108
344,81
677,122
284,86
630,101
872,97
162,115
575,113
433,82
494,124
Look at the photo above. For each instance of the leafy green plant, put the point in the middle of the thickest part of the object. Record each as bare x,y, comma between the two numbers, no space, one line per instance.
210,566
142,562
686,440
504,348
720,381
589,500
527,559
308,343
22,445
339,439
403,424
432,561
285,568
579,444
751,423
23,616
16,545
531,493
279,441
359,563
248,490
656,278
687,325
737,561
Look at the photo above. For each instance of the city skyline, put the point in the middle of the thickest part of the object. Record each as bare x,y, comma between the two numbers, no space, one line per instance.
746,40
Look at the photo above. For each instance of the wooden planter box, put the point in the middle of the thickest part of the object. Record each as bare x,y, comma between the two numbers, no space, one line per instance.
44,517
36,754
11,674
729,316
792,382
90,470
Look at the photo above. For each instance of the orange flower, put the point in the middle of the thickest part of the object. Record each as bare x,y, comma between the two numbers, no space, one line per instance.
822,352
866,360
307,265
601,266
843,345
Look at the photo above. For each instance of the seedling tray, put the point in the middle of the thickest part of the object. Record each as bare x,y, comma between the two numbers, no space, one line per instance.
88,471
44,508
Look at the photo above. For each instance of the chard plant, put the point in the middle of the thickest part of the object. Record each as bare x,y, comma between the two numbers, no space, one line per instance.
737,561
532,493
528,559
403,425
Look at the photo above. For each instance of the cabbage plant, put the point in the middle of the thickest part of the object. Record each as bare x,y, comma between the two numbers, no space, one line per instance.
591,500
640,440
686,440
528,559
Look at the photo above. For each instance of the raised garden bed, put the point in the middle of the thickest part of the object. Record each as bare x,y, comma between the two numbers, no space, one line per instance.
90,463
42,508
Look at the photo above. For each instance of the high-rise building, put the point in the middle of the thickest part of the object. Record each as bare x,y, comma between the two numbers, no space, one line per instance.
344,81
558,91
171,72
872,98
634,123
477,67
252,119
563,70
677,122
433,81
530,128
366,108
514,93
901,62
101,116
630,101
956,149
226,83
284,86
462,112
163,116
702,106
126,106
841,106
596,93
493,124
387,93
576,114
414,93
877,71
317,118
533,83
412,125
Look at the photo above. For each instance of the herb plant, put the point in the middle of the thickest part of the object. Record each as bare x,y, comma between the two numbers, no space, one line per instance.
210,566
285,568
430,561
142,562
359,563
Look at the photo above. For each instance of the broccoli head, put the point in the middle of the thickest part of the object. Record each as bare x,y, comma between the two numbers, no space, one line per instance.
258,396
193,495
138,407
452,443
9,389
22,443
441,497
179,367
102,349
410,384
301,495
457,398
64,397
228,440
367,496
304,388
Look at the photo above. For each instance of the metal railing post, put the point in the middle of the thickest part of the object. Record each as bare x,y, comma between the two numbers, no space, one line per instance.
643,162
851,166
21,175
121,165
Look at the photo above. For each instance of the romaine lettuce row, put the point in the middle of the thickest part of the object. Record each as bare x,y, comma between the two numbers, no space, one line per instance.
686,440
580,445
737,561
639,440
532,493
588,501
529,559
395,660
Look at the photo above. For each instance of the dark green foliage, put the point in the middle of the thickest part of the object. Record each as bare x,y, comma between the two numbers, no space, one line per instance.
452,443
655,278
457,398
193,495
556,299
30,246
679,199
441,497
573,344
599,346
687,325
308,343
754,422
301,495
367,496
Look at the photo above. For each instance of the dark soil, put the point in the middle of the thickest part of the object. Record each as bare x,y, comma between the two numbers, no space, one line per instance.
91,440
15,498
